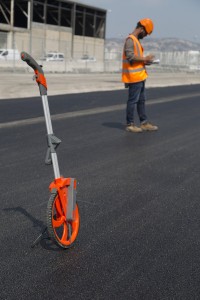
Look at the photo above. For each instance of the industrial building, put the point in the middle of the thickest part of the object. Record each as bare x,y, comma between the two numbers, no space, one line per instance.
40,26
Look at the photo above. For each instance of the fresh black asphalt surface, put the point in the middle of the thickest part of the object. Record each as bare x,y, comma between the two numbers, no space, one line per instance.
138,196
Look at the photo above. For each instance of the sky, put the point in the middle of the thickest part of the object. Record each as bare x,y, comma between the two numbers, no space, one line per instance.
172,18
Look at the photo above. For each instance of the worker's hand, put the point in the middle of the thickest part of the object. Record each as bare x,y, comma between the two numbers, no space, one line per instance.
149,59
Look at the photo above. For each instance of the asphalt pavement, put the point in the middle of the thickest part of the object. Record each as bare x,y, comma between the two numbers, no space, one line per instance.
138,196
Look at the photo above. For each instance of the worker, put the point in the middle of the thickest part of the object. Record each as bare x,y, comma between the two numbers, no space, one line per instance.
134,75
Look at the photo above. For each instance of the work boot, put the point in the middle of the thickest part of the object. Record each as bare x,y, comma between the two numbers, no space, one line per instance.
133,128
148,127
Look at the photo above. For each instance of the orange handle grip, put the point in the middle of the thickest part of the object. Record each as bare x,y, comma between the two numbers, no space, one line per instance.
40,78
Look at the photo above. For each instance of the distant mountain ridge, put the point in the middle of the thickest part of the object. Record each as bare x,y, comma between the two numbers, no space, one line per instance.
158,44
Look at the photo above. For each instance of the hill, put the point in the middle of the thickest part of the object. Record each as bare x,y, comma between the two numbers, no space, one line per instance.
157,44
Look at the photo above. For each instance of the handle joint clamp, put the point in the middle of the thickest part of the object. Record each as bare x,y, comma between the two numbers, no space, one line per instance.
52,142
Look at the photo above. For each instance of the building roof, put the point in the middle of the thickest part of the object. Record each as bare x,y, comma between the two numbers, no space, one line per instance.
83,4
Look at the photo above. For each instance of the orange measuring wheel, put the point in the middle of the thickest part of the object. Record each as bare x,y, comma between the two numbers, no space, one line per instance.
63,218
64,232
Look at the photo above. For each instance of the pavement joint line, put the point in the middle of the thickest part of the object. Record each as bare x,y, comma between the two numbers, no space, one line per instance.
91,111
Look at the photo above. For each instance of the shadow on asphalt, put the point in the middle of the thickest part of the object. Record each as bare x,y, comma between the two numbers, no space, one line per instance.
21,210
43,238
116,125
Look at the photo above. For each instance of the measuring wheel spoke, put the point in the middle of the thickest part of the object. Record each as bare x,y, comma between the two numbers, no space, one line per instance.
57,223
58,208
65,232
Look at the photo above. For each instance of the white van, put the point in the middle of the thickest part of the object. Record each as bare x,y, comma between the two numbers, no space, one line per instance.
9,54
54,56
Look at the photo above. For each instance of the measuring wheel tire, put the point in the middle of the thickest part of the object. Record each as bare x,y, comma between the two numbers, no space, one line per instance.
61,231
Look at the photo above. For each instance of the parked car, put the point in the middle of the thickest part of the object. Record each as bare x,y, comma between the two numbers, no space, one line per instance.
54,56
88,58
9,54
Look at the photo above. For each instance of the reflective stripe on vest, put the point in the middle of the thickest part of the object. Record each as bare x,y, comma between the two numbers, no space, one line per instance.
133,72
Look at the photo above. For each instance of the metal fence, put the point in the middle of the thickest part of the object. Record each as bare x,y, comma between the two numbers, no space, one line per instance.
85,59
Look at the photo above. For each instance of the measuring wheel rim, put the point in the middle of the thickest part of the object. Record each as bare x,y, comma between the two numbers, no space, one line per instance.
63,232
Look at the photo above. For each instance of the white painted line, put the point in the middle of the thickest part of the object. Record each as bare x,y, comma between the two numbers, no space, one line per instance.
92,111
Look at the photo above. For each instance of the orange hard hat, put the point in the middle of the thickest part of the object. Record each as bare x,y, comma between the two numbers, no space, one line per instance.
148,25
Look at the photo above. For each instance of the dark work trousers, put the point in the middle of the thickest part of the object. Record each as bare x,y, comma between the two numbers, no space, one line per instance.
136,97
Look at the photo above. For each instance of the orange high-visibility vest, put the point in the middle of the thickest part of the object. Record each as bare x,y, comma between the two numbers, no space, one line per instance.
136,71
